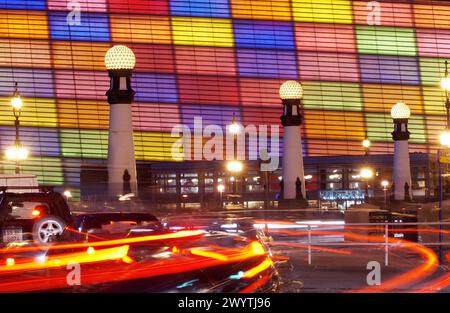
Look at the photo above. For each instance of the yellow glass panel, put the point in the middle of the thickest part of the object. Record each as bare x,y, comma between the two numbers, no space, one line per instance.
83,114
334,125
39,112
155,146
23,24
24,53
434,100
381,98
140,28
202,31
79,55
322,11
262,9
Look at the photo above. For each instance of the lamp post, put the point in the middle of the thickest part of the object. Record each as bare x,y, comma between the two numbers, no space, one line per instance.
17,153
445,142
120,61
385,185
293,182
235,166
400,114
366,174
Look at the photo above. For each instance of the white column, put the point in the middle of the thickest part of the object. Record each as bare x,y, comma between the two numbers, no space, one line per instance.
292,161
121,148
402,173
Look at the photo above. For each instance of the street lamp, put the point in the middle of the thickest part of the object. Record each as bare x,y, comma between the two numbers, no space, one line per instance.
400,114
366,144
120,62
17,153
366,174
385,185
445,142
293,182
234,166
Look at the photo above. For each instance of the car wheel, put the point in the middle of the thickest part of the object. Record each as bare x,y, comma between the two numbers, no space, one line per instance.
46,229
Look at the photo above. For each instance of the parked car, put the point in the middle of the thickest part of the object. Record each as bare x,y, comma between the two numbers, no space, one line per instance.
38,217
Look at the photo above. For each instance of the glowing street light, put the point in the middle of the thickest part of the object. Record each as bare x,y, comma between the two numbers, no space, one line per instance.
17,153
444,138
366,173
235,166
385,185
234,127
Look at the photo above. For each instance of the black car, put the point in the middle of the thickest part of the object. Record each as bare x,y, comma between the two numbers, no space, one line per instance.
37,217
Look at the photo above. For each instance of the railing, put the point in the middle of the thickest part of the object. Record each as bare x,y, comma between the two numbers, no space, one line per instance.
386,230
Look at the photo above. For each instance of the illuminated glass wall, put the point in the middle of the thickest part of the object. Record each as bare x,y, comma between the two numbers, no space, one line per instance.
213,58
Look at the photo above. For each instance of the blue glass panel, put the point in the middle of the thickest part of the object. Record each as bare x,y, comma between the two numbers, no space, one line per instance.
39,140
201,8
267,63
210,114
155,87
22,4
92,27
35,83
264,34
382,69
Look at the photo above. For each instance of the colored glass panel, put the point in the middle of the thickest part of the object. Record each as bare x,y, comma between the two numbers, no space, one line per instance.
431,71
383,13
31,82
389,70
267,63
48,170
140,29
433,42
39,141
155,116
94,27
82,5
381,98
151,87
201,8
334,125
431,15
386,40
325,37
323,11
24,53
380,127
83,114
261,9
79,55
328,66
205,60
208,89
83,85
154,7
260,92
23,24
155,146
83,143
202,31
332,96
35,112
263,34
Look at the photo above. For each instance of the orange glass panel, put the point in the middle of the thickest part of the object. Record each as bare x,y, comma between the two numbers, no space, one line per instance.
24,53
83,114
79,55
23,24
140,29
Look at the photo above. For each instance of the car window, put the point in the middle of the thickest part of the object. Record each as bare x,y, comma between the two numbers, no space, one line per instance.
27,210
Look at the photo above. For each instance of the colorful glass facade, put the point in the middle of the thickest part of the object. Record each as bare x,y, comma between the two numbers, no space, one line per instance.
213,58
